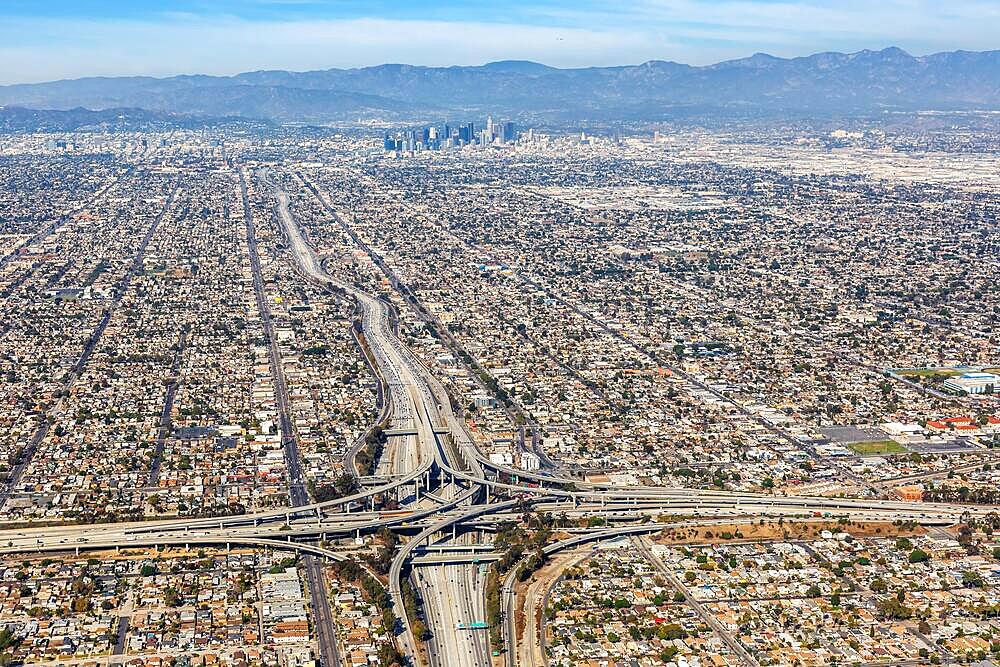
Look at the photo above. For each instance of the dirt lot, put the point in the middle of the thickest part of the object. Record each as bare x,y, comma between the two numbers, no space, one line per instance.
787,530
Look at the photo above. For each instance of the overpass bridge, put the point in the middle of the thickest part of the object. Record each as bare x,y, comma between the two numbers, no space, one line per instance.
455,559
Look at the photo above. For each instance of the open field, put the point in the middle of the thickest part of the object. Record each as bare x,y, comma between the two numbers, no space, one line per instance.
875,447
785,530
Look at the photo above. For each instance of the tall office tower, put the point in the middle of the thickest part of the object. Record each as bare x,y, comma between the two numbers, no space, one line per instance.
488,135
447,132
509,132
389,144
425,136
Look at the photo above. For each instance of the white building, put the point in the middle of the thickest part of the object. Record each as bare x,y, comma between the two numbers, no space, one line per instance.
502,458
973,383
530,461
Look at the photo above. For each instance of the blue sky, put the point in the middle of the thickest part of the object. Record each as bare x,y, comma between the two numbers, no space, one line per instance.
53,39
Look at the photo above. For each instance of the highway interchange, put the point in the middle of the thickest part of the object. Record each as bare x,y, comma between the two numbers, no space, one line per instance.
453,496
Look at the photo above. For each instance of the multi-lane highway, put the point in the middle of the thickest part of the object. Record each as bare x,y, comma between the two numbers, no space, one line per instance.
410,400
454,604
417,405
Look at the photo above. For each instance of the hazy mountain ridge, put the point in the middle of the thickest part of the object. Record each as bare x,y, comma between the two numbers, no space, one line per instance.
20,119
861,82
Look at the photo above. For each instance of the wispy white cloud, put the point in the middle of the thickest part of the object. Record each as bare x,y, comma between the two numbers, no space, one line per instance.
558,32
953,24
58,48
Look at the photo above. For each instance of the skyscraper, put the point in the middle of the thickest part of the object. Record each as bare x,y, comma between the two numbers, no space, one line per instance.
509,132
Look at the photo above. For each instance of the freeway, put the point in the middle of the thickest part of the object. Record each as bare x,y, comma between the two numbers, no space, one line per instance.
406,552
416,399
452,598
447,516
411,402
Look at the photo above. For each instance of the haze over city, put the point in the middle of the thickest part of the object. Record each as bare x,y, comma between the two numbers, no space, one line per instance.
536,334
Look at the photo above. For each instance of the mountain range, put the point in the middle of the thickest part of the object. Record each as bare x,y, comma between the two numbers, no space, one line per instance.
20,119
824,83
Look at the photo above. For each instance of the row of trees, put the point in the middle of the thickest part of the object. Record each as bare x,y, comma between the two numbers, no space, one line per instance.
517,539
412,606
371,452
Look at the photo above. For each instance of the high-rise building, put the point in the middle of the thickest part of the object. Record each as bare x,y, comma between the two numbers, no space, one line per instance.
509,132
434,138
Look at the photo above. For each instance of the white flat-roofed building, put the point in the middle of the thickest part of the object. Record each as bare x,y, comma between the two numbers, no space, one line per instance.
973,383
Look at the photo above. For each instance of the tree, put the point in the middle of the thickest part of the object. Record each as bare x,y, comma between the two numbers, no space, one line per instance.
420,630
972,579
7,639
892,609
919,556
667,654
671,631
171,597
389,655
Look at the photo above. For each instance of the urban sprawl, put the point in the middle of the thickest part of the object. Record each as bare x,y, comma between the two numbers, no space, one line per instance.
473,393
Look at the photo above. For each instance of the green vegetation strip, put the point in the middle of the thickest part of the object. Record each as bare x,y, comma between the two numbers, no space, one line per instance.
877,447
